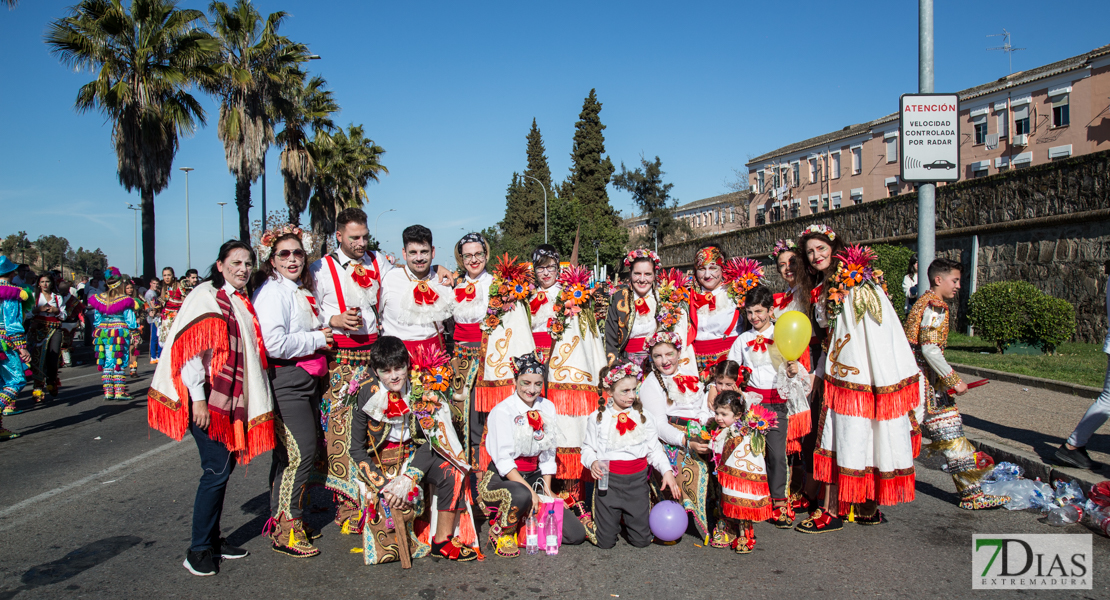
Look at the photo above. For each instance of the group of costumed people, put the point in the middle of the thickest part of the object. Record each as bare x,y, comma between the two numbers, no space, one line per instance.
667,386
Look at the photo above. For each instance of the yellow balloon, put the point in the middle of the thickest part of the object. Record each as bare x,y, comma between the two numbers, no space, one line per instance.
792,333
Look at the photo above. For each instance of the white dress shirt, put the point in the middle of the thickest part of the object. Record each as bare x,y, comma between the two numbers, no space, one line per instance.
289,327
604,442
541,321
473,311
686,405
508,435
714,325
54,300
762,363
643,325
354,295
395,286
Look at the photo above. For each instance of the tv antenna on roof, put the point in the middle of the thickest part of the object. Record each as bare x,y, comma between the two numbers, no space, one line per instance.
1006,47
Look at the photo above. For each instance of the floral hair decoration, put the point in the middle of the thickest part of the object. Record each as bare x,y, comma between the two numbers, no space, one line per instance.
665,337
708,256
824,230
783,246
643,253
619,372
270,238
528,364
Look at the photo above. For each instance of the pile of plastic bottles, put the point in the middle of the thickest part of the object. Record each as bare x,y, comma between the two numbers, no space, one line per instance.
1062,504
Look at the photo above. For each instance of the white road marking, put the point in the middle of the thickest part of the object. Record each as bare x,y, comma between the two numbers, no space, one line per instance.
37,501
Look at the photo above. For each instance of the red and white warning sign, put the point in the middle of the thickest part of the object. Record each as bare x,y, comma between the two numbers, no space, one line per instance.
930,137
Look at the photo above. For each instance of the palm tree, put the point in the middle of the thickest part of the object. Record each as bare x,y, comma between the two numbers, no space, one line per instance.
305,106
346,163
254,66
144,60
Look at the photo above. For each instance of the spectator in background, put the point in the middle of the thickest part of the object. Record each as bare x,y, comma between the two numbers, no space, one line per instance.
190,281
1074,451
153,317
909,284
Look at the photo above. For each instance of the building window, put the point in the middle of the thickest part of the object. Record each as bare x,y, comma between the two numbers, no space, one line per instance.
1021,120
812,170
759,182
812,204
977,172
892,190
834,167
857,160
857,197
1060,116
731,215
796,169
824,202
980,124
760,217
836,200
794,208
892,149
1003,123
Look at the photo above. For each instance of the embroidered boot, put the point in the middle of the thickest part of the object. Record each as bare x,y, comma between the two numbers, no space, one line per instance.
348,516
783,515
6,434
109,390
587,519
745,542
454,549
724,534
289,538
820,521
503,540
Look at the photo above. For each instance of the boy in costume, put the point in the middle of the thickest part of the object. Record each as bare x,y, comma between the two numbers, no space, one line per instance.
927,331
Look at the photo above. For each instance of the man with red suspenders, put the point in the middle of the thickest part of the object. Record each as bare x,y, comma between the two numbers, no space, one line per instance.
413,304
348,287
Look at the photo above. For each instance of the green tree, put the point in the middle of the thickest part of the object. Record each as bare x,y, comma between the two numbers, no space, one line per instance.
346,163
305,106
19,248
522,228
89,261
254,66
144,56
589,172
52,251
653,198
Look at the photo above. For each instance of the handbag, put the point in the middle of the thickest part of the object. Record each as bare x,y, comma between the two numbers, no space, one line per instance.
552,503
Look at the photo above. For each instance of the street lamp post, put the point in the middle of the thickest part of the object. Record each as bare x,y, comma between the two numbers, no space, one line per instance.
655,232
376,222
544,205
188,253
222,238
136,209
926,193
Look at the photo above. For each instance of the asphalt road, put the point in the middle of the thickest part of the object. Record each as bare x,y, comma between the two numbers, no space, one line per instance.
94,504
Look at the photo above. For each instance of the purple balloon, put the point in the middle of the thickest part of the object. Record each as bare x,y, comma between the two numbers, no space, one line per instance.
668,520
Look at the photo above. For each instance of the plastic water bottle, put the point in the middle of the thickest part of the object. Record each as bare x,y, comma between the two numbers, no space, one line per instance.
1064,515
532,535
549,528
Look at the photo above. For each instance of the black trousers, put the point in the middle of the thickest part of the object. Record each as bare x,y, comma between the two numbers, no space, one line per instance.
520,499
297,398
628,497
778,471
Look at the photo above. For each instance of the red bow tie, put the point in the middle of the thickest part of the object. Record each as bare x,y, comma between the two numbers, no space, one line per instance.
424,294
537,301
641,306
760,343
625,423
362,276
397,406
707,299
686,383
815,294
465,294
782,300
535,420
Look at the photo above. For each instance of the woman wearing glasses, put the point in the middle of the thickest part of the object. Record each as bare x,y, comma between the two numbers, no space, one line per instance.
471,303
295,339
545,264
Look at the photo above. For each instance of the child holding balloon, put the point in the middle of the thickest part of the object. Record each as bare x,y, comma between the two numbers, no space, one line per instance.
619,445
770,372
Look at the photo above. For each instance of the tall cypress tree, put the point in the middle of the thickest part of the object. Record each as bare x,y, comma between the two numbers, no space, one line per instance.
522,227
589,173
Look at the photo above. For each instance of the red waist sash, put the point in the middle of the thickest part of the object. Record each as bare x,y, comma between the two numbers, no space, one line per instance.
431,344
527,464
353,341
542,339
468,332
627,467
713,347
635,345
769,396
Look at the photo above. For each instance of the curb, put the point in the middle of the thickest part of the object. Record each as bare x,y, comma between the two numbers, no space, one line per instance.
1035,467
1063,387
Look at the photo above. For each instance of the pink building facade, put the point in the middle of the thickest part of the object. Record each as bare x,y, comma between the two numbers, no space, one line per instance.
1028,118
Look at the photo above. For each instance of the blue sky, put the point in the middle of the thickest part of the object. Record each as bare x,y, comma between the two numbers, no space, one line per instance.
450,89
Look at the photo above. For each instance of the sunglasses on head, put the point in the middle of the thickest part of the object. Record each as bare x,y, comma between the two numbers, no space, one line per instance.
286,253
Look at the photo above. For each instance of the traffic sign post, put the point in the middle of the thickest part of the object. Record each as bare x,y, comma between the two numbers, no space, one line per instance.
930,137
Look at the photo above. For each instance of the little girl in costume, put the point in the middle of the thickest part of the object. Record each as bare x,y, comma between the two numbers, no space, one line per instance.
738,453
727,375
626,440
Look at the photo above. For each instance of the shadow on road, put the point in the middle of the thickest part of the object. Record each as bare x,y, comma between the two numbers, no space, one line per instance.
259,506
100,413
73,564
1043,444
